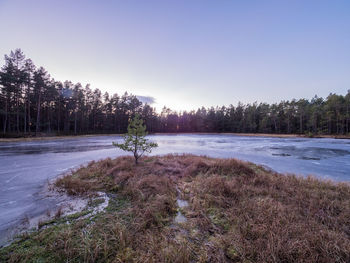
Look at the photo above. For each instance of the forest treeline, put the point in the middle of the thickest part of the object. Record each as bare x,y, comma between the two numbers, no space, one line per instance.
32,102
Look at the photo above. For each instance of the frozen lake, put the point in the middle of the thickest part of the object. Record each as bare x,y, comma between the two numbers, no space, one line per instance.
25,167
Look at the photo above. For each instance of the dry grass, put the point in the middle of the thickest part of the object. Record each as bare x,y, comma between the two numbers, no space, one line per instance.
274,218
238,212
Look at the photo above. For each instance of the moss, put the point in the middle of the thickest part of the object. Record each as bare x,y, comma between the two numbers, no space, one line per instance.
96,202
232,253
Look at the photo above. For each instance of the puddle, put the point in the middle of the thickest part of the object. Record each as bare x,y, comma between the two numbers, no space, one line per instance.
181,203
180,218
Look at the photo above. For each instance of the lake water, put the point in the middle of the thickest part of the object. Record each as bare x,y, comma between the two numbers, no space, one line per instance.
25,167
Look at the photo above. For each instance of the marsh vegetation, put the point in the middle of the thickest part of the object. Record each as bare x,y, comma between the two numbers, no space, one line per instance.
236,212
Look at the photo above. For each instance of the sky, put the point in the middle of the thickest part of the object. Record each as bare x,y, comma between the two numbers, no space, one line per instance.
187,53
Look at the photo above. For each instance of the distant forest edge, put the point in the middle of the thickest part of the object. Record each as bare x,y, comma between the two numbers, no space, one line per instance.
31,102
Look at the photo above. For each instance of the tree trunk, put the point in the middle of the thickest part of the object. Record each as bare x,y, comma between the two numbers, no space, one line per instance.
66,124
75,122
17,113
6,113
337,123
347,119
93,121
25,118
49,118
58,117
81,125
29,119
38,114
115,122
135,151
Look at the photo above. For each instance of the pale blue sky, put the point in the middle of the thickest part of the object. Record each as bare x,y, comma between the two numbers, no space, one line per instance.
187,53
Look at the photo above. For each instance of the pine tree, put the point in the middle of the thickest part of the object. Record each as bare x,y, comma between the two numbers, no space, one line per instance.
135,140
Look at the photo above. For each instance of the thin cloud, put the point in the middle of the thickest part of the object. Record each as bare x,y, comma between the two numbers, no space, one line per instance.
146,99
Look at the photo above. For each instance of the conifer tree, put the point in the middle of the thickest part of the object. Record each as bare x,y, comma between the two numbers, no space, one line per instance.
135,140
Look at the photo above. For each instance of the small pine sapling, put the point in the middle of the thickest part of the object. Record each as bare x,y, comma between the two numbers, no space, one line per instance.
135,140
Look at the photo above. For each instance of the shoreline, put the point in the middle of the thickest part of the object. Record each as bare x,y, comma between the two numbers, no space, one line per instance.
48,138
62,205
271,135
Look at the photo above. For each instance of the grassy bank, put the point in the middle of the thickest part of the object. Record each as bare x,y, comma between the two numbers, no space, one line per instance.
237,212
